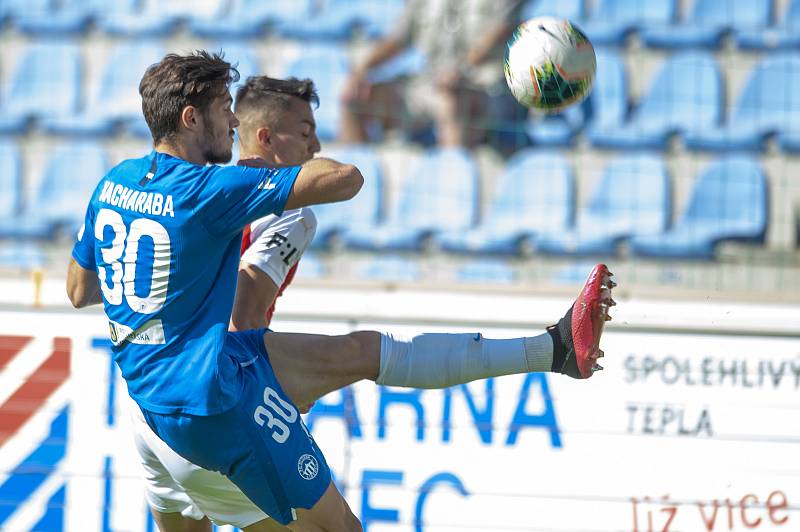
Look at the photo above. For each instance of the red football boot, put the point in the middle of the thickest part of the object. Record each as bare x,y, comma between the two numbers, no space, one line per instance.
576,337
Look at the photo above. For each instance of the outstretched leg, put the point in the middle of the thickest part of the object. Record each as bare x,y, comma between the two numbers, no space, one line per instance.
310,366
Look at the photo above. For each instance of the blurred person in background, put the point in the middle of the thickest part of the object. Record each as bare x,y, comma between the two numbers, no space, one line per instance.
460,91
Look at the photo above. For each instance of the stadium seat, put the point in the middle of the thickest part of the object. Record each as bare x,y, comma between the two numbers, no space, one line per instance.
570,9
71,173
534,194
11,185
605,107
115,99
25,15
328,67
709,21
486,271
249,18
160,17
769,103
786,34
389,268
728,202
439,194
631,198
46,82
363,211
612,20
338,19
686,95
70,16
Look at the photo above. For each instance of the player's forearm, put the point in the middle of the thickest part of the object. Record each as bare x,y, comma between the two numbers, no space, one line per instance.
382,52
83,288
489,40
324,181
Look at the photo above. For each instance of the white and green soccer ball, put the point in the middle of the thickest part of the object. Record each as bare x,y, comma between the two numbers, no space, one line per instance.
549,64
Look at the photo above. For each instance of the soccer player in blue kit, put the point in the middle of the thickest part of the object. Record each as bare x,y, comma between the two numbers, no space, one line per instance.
159,249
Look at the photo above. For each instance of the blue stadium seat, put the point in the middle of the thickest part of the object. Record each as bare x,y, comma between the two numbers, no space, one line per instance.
631,198
486,271
363,211
248,18
686,95
70,16
612,20
769,103
728,202
570,9
534,194
391,268
160,17
709,21
46,82
605,108
10,184
328,67
27,14
786,34
71,173
409,62
115,99
440,194
338,19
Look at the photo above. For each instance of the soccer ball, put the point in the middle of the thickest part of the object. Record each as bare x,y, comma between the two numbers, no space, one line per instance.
549,64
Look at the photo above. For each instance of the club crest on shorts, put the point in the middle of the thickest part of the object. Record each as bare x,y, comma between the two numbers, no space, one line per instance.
308,467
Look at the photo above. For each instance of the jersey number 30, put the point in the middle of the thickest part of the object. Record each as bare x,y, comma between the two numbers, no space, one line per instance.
121,258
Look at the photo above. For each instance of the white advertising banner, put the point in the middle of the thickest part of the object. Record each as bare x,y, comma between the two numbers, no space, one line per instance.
682,431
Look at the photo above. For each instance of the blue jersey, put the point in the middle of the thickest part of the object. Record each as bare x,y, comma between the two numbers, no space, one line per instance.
163,235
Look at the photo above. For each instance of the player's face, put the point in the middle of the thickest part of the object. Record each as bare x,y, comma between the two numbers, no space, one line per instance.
294,139
218,133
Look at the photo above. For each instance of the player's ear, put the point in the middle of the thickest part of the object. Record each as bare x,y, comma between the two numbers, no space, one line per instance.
264,137
189,117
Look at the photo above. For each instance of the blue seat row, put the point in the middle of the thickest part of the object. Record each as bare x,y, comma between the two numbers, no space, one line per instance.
533,207
532,204
326,19
686,97
754,24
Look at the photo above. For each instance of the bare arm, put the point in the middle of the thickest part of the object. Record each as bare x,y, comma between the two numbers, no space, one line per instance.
379,54
255,292
83,287
494,36
324,181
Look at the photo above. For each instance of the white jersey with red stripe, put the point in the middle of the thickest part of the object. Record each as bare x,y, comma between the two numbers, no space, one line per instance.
274,244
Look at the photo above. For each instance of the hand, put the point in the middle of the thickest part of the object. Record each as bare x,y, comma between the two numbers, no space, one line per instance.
356,88
449,79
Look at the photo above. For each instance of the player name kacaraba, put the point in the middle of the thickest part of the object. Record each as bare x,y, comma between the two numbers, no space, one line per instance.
153,203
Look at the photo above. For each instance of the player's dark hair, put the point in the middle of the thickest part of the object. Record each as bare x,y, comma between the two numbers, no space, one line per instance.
263,90
176,81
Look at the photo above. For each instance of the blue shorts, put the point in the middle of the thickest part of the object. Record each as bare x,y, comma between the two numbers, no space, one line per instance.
261,444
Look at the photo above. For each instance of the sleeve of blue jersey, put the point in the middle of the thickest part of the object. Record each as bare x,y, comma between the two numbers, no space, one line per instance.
243,194
83,250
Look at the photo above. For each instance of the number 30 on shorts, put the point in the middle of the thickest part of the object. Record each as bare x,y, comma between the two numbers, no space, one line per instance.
276,404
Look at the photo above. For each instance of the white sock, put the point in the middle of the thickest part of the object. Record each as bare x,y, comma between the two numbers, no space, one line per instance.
442,360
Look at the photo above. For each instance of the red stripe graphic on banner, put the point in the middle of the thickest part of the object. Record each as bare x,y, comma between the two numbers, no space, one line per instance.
29,397
10,346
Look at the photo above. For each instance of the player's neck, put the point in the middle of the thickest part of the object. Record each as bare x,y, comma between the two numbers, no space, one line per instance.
245,154
187,153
